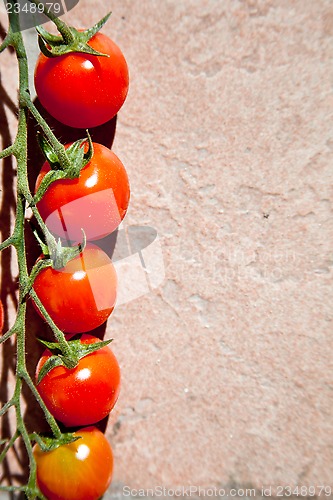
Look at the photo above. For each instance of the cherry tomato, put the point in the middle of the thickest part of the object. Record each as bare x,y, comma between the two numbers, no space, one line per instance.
85,394
96,201
82,90
81,470
80,296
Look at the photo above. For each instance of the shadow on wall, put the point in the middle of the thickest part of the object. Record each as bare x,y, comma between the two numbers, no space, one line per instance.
8,281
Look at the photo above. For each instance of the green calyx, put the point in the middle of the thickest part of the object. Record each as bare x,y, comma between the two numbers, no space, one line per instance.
77,160
47,444
55,254
76,351
69,41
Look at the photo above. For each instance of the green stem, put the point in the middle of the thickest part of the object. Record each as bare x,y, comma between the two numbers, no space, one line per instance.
7,152
61,26
7,243
17,240
6,407
13,488
59,335
9,445
57,146
49,418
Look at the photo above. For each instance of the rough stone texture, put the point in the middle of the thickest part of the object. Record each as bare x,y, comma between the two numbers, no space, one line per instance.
227,137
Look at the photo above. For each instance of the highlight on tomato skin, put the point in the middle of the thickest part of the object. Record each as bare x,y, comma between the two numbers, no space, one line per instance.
81,296
83,90
85,394
81,470
96,201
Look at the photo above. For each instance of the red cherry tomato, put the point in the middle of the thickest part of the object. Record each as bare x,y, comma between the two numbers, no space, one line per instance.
80,296
85,394
82,90
81,470
96,201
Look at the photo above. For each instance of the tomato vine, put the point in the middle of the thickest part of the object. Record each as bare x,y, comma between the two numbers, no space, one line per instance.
25,198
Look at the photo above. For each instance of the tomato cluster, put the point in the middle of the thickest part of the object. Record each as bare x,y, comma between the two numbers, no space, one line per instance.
81,90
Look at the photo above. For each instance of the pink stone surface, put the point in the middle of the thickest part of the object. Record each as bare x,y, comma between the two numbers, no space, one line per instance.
227,138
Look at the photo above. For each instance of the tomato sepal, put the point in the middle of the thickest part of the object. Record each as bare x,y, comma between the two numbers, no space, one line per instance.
77,156
48,152
77,351
55,46
49,37
51,363
48,444
55,254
